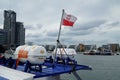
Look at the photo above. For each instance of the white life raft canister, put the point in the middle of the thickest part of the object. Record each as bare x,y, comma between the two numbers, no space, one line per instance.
35,54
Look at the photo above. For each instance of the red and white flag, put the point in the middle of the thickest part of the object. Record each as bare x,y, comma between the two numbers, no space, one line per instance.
68,20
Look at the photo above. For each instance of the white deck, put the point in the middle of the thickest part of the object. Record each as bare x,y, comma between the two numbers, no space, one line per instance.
12,74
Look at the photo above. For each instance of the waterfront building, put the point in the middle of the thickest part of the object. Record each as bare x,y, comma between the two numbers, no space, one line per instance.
13,33
81,47
114,47
3,35
105,46
9,26
90,47
49,48
62,46
72,46
20,34
76,47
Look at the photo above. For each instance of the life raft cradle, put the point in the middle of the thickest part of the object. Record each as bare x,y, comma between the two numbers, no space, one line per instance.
48,68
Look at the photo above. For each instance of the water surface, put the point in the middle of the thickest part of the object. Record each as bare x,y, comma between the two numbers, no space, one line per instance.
104,68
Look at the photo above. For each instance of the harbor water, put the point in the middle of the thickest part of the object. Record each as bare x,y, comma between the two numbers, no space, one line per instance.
103,68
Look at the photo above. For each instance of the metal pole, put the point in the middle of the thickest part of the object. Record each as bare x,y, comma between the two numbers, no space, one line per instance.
60,25
59,34
76,75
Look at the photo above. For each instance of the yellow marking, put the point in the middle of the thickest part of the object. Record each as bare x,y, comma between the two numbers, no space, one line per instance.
42,51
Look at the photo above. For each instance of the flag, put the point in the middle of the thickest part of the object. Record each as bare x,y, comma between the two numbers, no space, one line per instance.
68,19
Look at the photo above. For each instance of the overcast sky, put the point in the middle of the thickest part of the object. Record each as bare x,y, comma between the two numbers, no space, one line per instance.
98,21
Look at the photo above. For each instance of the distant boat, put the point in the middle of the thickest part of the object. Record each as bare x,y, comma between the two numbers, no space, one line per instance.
96,52
117,53
92,52
106,52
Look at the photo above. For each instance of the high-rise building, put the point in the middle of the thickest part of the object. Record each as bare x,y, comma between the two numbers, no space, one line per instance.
2,36
20,34
15,30
9,26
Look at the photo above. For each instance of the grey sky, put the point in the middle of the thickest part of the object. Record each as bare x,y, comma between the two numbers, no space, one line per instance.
98,21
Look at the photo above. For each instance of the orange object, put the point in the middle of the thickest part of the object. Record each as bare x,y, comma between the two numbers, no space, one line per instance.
17,62
23,54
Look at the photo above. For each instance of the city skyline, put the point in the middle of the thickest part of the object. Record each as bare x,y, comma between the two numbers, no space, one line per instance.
97,22
13,33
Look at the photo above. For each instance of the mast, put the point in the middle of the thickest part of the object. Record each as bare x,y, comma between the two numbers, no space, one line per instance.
58,42
60,24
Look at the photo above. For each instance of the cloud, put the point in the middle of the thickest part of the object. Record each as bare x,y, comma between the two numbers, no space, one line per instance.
33,27
98,21
89,25
52,33
84,29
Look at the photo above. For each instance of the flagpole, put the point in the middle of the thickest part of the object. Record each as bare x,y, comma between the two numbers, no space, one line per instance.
59,35
60,25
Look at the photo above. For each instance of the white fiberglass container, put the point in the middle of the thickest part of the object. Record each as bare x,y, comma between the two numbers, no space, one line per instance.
64,52
35,54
